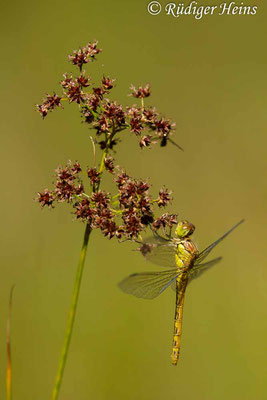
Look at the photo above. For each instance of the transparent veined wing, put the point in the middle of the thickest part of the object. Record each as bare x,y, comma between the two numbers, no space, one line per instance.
203,254
159,251
148,285
199,269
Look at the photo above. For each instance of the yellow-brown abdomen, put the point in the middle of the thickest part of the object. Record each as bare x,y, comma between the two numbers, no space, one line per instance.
178,318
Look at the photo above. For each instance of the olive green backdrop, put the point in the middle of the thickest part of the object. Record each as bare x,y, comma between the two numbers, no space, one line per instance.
210,77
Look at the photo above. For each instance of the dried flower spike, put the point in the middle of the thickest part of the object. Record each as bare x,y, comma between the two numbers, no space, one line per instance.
106,116
46,198
84,55
126,214
109,164
49,104
141,92
164,197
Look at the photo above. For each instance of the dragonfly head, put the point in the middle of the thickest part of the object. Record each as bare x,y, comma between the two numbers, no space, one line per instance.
184,228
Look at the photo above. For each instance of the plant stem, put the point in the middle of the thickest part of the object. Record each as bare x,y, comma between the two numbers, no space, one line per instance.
75,293
8,342
72,313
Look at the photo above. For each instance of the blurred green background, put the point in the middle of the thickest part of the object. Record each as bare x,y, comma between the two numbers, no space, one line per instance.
210,77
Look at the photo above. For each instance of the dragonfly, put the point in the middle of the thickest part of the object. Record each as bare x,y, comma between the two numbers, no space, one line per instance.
180,254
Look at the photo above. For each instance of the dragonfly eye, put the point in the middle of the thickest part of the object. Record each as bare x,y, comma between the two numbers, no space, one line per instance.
184,228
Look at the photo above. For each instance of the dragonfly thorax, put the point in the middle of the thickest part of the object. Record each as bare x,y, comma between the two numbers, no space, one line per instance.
186,249
186,253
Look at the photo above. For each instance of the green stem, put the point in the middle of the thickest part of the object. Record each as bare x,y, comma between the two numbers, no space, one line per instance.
72,313
8,342
102,164
142,104
75,293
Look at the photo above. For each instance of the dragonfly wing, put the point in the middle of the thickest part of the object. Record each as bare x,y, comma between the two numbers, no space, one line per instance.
175,144
199,269
148,285
206,252
159,251
156,238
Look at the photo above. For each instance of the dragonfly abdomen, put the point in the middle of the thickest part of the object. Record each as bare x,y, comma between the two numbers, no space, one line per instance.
178,318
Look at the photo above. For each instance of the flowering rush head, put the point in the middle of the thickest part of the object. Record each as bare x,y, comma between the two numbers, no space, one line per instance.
125,214
105,116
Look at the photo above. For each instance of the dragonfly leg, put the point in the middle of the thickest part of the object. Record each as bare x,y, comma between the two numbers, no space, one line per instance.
157,235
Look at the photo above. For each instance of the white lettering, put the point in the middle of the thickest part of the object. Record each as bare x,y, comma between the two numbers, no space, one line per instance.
226,7
199,14
169,8
180,9
198,11
213,8
235,10
188,9
246,10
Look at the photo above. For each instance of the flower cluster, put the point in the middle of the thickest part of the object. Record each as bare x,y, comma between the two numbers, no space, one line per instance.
107,117
84,54
74,87
141,92
49,104
144,120
111,120
126,214
67,186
